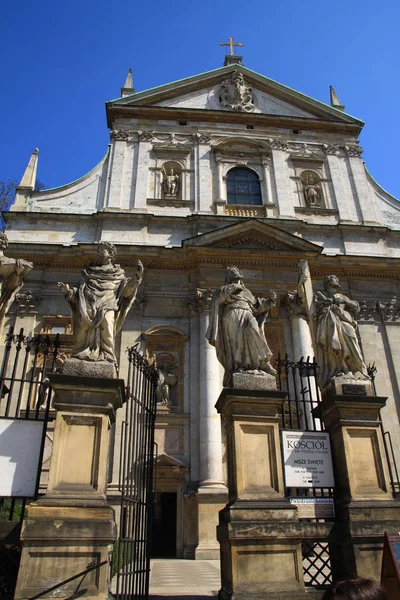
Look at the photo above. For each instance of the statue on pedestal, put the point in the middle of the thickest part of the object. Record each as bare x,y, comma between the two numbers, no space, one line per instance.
338,349
13,271
236,328
99,304
170,182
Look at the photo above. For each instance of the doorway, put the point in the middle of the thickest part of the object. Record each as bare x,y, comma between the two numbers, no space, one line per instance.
163,537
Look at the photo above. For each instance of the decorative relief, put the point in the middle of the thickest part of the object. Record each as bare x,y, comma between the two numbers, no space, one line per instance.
145,136
201,138
120,136
26,302
203,299
388,311
353,150
235,95
330,149
276,144
295,305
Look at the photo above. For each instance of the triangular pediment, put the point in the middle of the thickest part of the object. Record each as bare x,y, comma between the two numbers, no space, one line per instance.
165,461
253,234
203,92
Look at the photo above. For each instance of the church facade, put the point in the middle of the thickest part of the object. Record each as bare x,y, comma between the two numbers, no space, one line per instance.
223,168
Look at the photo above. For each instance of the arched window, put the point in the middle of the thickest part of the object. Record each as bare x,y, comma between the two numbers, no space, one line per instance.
243,186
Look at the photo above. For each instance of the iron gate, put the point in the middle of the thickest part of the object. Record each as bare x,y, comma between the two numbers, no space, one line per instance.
25,396
136,480
299,380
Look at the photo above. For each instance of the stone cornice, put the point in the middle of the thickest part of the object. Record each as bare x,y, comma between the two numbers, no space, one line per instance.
219,116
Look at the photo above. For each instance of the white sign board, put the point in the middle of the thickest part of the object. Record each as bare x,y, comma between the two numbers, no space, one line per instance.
307,459
20,442
314,508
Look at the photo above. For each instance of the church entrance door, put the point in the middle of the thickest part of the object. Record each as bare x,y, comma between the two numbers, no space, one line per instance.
164,526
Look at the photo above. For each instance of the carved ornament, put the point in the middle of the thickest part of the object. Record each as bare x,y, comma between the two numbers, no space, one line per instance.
276,144
235,95
353,150
331,149
26,302
201,138
203,299
145,136
120,136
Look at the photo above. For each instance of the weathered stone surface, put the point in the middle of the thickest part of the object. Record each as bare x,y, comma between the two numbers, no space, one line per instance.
85,368
247,381
348,385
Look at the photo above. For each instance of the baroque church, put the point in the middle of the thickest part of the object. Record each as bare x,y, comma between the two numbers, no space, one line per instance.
223,168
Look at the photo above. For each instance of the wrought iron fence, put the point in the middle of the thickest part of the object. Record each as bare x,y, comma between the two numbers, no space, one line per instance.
136,480
25,395
300,412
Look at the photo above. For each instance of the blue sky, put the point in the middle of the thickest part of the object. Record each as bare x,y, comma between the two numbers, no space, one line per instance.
61,60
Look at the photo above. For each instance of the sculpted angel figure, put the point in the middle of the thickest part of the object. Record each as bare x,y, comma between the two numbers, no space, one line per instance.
165,380
338,349
236,327
99,305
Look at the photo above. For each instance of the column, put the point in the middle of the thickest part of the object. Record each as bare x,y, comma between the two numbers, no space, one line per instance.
364,503
267,180
220,200
142,170
302,349
212,493
282,182
204,181
361,184
73,526
209,390
343,195
259,531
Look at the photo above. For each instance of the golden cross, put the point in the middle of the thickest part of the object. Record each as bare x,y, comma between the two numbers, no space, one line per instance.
231,44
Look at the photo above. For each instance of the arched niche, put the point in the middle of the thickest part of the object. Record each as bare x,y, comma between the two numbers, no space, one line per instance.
166,344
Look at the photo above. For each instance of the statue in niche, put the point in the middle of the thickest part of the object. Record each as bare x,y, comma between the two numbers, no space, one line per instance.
338,349
170,182
13,271
236,328
312,190
235,94
165,380
99,305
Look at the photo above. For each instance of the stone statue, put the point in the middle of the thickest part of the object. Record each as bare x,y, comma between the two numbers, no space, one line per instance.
236,328
338,350
235,94
164,381
312,192
99,305
170,182
13,271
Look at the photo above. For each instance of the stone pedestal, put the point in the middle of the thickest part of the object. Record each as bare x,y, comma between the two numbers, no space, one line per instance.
73,525
259,531
365,507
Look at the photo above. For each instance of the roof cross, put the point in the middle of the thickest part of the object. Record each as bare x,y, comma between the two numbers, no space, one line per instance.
231,44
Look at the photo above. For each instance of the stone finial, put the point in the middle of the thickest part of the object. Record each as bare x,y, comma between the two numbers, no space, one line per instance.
128,88
335,102
28,180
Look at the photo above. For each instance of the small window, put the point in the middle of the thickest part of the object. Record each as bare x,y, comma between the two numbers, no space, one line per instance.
296,131
250,126
243,186
182,122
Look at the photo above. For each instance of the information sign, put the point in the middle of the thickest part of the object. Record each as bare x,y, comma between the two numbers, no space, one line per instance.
20,442
307,459
314,508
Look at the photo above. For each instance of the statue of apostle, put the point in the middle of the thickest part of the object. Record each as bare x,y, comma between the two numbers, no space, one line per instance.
236,328
12,274
338,348
99,305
